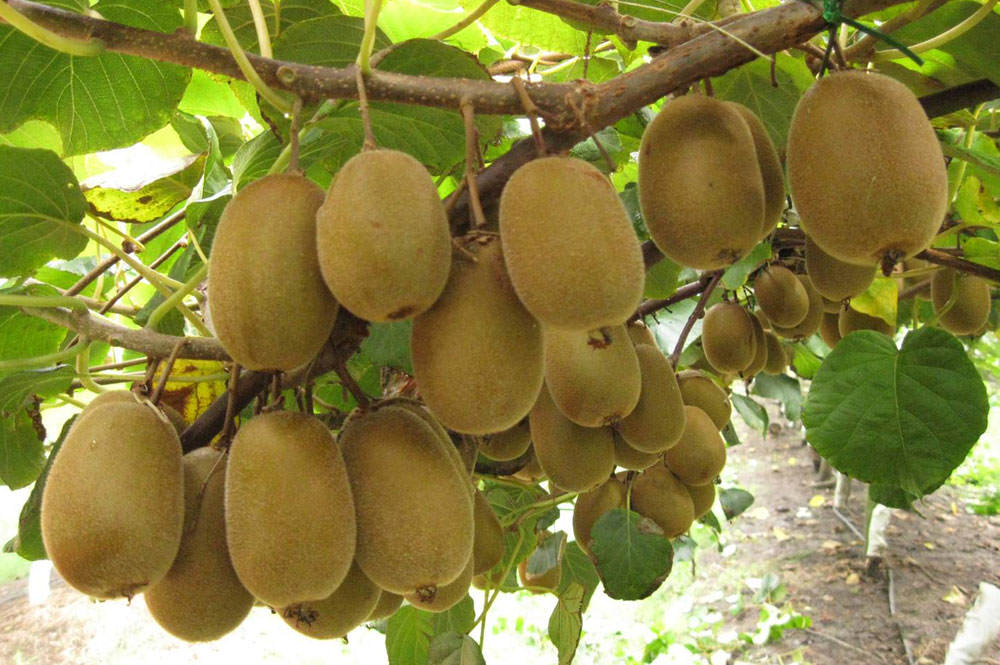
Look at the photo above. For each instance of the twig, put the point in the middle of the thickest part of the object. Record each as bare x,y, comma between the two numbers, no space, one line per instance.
466,21
699,309
530,110
366,120
682,293
892,612
132,283
168,367
229,422
850,525
352,386
844,644
472,160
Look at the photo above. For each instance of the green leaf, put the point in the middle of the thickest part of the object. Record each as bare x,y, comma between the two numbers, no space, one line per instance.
736,274
880,300
530,27
21,453
100,102
734,501
566,622
577,568
388,345
783,388
982,251
409,631
661,279
806,362
28,543
26,336
975,52
730,436
904,418
240,18
409,19
328,41
454,649
633,556
750,85
547,555
753,413
40,205
146,198
210,94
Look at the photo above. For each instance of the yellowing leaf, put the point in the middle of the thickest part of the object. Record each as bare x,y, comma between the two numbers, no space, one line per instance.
190,396
853,579
954,596
817,501
879,300
780,534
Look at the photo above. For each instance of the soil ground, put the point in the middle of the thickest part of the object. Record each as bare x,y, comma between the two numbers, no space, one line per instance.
791,531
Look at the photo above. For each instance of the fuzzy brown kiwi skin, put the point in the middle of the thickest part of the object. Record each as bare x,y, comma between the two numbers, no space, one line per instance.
268,229
590,506
770,169
700,185
829,330
781,296
970,296
347,607
810,324
760,355
727,337
835,280
891,190
658,419
851,319
701,453
700,391
660,496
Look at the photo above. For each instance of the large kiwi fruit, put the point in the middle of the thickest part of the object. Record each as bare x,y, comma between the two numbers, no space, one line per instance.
660,496
112,509
631,458
267,301
594,376
488,544
477,353
727,336
387,605
590,506
572,254
700,184
201,598
781,297
575,458
865,169
700,454
508,444
835,280
382,236
445,596
414,507
290,519
700,391
336,615
969,296
814,314
771,173
657,421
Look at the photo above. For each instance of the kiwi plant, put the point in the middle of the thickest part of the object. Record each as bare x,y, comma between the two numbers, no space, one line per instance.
425,360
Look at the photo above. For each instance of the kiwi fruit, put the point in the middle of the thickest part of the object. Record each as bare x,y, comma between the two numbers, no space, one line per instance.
387,605
772,176
700,454
414,507
760,349
532,471
201,598
594,376
508,444
851,319
969,296
703,497
168,412
658,419
542,582
487,544
630,458
575,458
477,353
639,333
727,336
865,169
267,301
924,280
112,510
700,185
290,519
700,391
777,358
835,280
383,238
658,495
590,506
572,254
810,324
445,596
832,306
336,615
829,328
781,297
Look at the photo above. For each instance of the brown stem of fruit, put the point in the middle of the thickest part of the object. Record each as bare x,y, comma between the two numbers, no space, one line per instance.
168,367
699,310
682,293
348,382
366,119
472,162
229,421
531,111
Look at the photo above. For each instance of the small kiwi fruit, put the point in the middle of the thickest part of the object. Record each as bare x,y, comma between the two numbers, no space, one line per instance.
269,229
201,598
336,615
700,184
760,352
290,513
446,596
777,357
781,297
969,296
639,333
488,544
700,391
703,497
727,336
836,280
572,254
387,605
382,236
829,329
631,458
700,455
851,319
890,191
814,314
660,496
477,353
508,444
590,506
658,419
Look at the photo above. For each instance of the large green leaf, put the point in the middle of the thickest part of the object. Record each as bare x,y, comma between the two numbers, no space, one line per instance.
752,412
751,86
328,41
97,103
25,336
577,568
146,198
21,453
240,19
566,622
531,28
454,649
975,53
633,556
409,631
39,205
902,418
783,388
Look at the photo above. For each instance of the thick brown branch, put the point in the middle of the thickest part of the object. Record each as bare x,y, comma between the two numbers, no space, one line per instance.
940,258
683,293
143,340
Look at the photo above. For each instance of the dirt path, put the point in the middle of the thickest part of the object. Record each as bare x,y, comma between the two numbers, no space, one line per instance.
791,531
